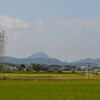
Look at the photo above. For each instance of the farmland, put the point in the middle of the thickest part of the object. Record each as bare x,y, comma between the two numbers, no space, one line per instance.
15,90
47,77
49,87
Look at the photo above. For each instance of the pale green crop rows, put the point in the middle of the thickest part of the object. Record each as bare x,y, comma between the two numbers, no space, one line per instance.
61,76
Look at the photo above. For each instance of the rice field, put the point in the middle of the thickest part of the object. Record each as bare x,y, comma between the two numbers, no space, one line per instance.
47,76
21,90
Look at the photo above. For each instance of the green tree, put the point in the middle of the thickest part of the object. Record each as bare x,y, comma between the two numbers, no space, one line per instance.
59,71
21,67
1,67
36,67
33,66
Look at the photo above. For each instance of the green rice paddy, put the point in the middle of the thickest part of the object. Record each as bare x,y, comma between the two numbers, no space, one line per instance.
15,90
47,87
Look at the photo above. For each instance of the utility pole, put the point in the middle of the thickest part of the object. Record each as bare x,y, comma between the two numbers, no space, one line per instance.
91,73
88,70
87,74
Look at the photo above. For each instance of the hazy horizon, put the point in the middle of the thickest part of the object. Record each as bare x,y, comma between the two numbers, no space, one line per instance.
68,30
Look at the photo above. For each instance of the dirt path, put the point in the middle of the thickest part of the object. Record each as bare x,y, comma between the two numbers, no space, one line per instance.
51,79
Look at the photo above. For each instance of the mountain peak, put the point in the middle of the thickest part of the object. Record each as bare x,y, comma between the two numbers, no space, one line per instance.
39,55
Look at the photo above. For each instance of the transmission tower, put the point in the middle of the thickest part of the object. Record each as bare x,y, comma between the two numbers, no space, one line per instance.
2,46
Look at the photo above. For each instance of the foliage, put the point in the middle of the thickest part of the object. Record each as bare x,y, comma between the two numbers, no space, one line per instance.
9,70
21,67
4,70
73,72
36,67
50,70
96,73
59,71
1,67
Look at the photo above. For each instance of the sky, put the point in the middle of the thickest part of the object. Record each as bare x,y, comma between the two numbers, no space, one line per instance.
68,30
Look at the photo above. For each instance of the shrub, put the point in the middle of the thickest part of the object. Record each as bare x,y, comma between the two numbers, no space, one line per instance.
59,71
4,71
50,70
9,71
97,73
73,72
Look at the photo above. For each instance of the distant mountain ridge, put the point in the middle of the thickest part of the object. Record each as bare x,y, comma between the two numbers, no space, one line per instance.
94,62
42,58
50,61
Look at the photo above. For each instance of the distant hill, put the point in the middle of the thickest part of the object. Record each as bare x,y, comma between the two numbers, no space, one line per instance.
94,62
42,58
87,60
50,61
39,55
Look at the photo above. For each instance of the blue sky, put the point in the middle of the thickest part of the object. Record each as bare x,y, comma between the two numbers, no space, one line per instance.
68,30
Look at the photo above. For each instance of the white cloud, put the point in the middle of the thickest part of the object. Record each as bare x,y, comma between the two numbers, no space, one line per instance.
11,23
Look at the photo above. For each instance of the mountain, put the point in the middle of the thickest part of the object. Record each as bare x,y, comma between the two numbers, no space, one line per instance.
38,60
42,58
87,60
93,62
39,55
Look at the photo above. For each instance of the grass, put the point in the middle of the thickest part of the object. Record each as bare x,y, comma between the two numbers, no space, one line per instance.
49,90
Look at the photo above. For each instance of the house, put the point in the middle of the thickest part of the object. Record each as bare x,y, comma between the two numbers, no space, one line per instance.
54,67
71,68
44,67
64,68
10,68
83,68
